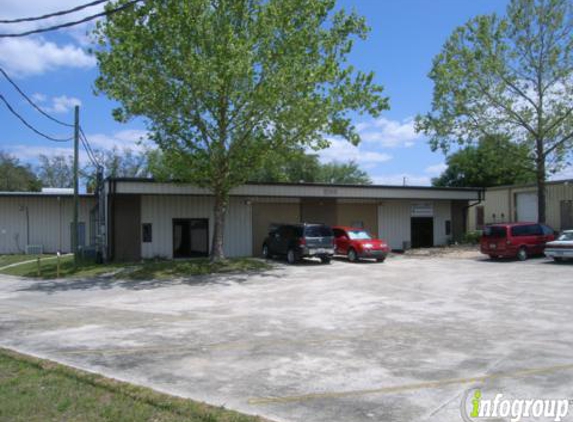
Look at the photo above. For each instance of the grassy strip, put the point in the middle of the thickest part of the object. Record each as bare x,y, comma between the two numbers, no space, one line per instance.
146,270
37,390
15,258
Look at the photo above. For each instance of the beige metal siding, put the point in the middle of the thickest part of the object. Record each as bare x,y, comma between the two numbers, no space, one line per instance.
265,214
442,213
500,203
307,191
394,223
365,213
160,210
50,219
319,211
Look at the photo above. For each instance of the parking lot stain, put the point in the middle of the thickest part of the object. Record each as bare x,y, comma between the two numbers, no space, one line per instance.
410,387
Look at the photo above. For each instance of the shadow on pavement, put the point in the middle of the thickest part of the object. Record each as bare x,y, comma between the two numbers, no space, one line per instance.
107,283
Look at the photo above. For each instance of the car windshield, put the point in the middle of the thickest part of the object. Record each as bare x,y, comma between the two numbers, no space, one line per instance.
359,235
566,236
318,231
495,232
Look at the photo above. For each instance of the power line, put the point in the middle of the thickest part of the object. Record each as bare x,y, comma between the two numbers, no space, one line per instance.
50,15
32,103
28,125
73,23
88,148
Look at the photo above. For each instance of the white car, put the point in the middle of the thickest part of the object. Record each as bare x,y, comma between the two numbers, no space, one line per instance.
562,248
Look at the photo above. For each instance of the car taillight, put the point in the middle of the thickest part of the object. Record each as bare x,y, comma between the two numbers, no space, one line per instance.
302,241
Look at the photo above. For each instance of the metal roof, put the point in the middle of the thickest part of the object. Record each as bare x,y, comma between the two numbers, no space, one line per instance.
45,194
298,190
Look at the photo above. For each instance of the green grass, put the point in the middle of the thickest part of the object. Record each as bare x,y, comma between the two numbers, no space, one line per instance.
146,270
37,390
12,259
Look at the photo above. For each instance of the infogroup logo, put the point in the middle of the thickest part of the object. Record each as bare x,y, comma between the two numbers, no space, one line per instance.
475,407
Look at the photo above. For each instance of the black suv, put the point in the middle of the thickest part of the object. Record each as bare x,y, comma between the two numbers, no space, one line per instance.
297,241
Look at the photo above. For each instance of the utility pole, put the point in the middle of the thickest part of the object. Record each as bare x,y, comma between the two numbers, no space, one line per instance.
76,193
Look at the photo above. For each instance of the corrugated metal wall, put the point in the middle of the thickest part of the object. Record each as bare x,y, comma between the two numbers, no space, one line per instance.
394,223
442,213
499,204
265,214
348,214
160,210
50,219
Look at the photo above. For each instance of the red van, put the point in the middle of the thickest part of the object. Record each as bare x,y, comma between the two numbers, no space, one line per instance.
515,240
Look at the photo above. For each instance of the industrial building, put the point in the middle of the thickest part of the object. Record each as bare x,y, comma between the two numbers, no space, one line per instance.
147,219
516,203
132,219
43,220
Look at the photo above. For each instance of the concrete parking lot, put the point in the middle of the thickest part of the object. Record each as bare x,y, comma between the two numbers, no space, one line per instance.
399,341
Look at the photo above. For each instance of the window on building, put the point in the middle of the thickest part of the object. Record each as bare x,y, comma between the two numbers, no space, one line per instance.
146,232
448,227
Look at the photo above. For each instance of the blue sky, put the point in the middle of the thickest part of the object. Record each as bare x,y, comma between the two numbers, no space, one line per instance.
405,36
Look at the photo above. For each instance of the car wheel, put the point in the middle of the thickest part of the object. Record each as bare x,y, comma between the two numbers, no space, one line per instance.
380,259
557,259
493,257
291,256
522,254
266,252
325,259
352,255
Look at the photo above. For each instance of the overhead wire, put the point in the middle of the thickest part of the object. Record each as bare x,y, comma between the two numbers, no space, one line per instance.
30,126
53,14
70,24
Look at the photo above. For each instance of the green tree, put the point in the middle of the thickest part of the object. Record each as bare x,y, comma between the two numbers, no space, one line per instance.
486,164
344,173
16,177
223,82
296,165
56,171
510,75
117,162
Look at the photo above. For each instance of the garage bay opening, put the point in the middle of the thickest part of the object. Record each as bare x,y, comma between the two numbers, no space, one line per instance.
422,232
190,237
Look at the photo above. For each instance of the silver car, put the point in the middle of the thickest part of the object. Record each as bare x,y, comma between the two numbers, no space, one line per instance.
562,248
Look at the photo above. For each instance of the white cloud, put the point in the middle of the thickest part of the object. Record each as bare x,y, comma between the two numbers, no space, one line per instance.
128,138
61,104
22,57
401,178
566,173
389,133
342,151
436,169
30,153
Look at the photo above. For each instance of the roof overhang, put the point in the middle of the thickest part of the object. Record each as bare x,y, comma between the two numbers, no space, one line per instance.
307,190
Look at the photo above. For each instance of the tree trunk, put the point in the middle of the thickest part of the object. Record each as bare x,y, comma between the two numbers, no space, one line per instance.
540,178
219,211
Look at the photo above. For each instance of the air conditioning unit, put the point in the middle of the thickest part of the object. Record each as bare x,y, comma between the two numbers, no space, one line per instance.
34,249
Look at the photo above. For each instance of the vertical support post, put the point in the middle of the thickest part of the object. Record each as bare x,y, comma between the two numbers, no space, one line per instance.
76,184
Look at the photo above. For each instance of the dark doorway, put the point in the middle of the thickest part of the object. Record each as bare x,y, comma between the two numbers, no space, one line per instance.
190,237
422,232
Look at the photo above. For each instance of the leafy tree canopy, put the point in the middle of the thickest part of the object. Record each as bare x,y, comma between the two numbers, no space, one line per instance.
223,82
56,171
16,177
298,166
510,75
487,164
